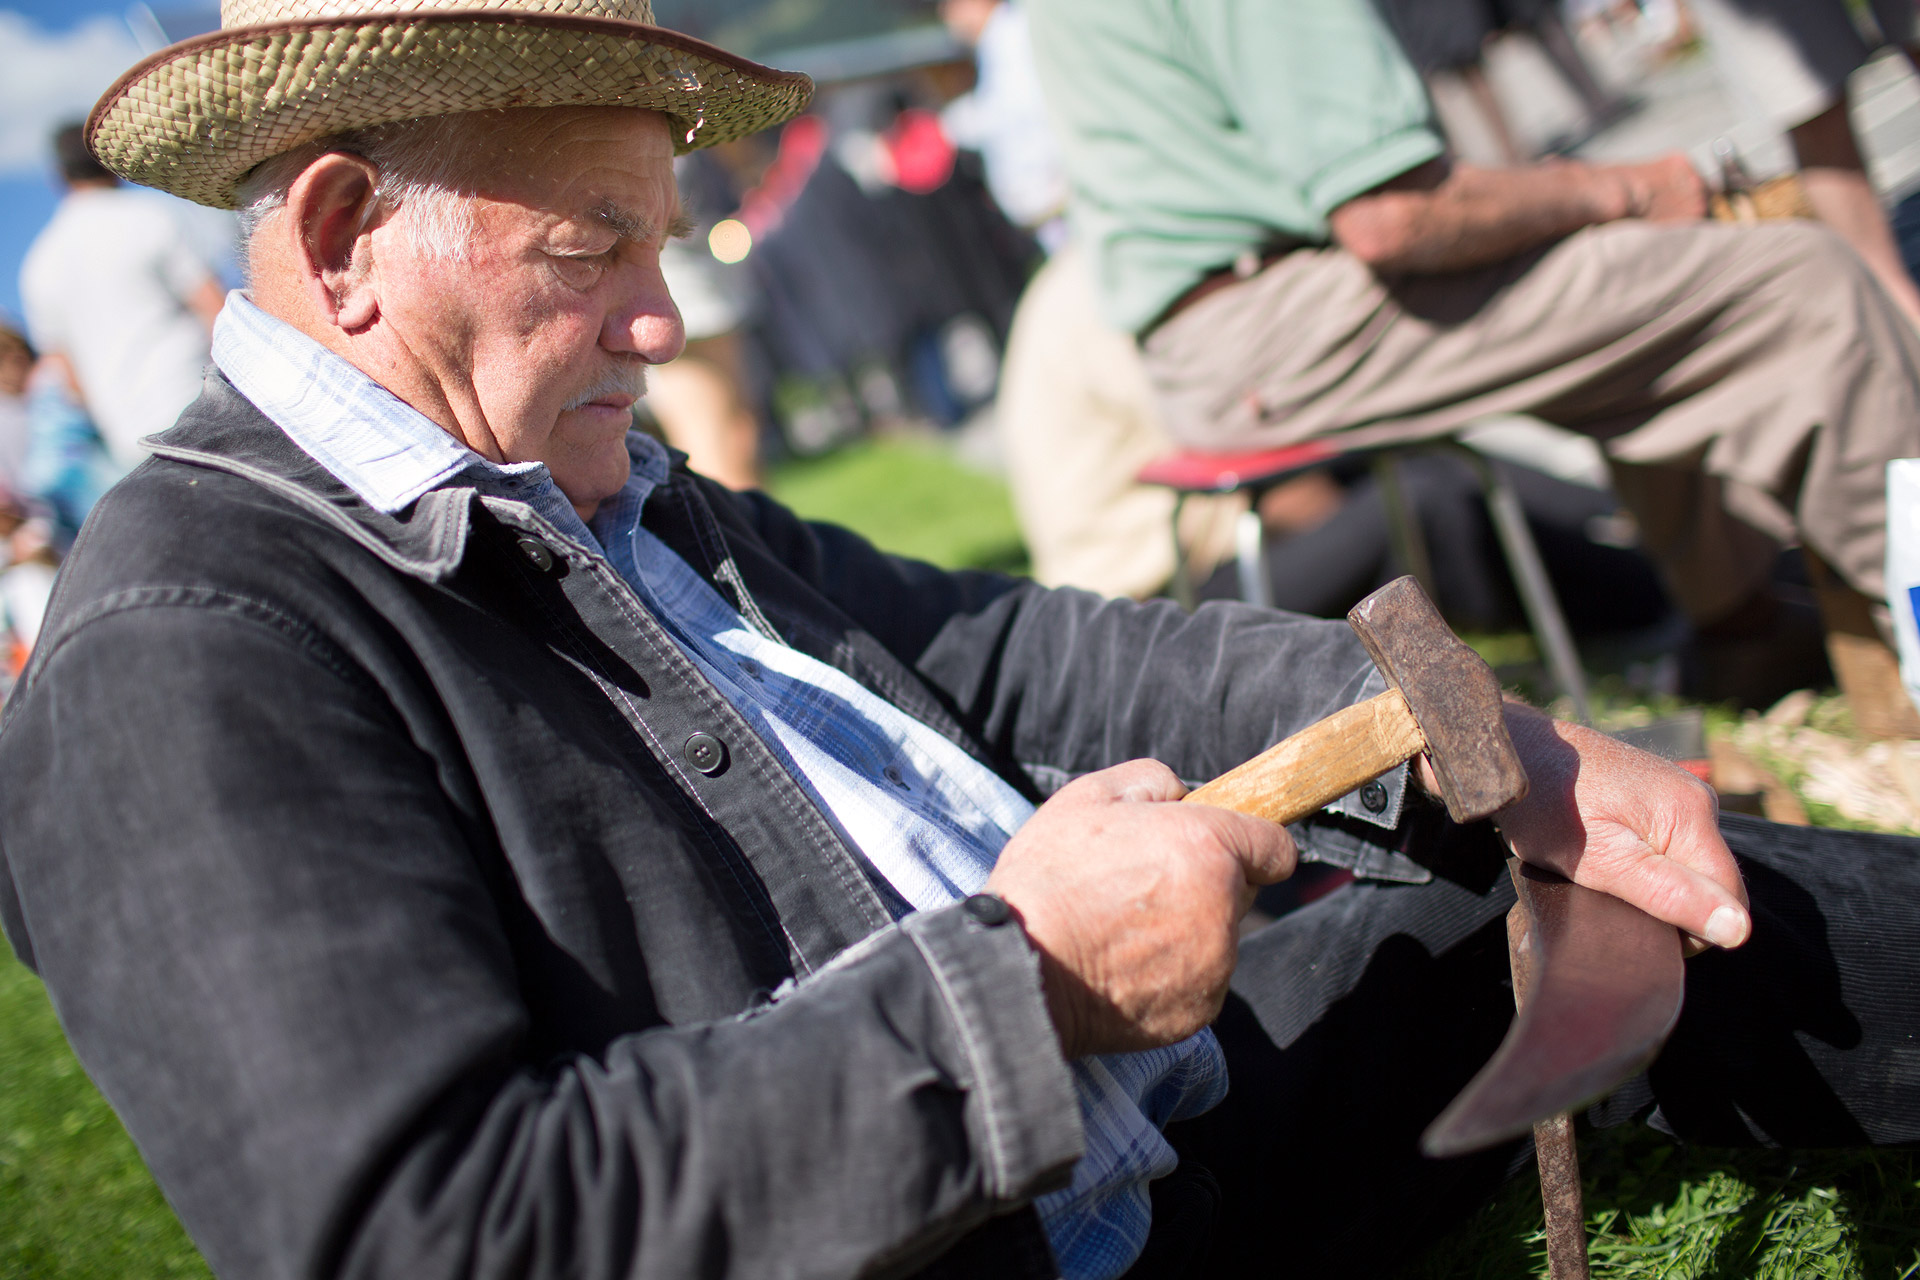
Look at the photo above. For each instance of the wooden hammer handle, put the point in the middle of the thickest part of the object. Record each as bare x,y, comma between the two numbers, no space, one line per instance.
1319,764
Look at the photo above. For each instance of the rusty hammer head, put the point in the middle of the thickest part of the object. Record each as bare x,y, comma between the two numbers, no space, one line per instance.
1453,696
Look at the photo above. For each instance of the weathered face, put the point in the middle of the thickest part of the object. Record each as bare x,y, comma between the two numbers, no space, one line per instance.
539,339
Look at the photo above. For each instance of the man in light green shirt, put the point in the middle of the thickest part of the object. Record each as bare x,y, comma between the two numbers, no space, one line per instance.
1201,132
1269,207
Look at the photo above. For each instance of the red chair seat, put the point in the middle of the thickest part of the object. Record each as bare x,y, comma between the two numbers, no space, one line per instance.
1225,472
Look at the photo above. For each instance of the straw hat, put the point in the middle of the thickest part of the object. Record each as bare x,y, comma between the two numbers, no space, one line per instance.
194,118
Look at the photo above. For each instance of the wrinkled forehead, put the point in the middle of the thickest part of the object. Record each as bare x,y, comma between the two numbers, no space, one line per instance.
609,167
544,145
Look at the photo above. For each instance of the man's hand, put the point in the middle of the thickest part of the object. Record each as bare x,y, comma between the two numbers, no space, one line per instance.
1665,190
1132,901
1614,818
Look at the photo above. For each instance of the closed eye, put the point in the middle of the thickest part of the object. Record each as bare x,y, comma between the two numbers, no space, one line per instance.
581,270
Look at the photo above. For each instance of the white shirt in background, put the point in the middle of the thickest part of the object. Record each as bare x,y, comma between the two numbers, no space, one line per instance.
106,283
1005,120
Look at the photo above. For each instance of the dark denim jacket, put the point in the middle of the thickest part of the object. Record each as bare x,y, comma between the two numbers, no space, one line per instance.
372,882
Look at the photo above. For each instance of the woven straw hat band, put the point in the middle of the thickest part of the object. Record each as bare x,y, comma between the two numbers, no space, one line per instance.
246,13
194,119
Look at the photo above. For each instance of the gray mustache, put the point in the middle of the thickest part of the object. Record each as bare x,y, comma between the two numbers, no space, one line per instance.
631,381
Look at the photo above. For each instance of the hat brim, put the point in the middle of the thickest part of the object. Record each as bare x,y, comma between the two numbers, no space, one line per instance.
194,118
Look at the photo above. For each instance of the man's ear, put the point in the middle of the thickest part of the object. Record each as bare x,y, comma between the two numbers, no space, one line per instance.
332,209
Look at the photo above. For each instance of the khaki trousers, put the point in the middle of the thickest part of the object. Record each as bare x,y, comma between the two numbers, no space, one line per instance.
1748,384
1077,421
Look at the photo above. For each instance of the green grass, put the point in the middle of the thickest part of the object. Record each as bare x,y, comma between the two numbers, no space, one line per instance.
76,1203
1657,1211
908,496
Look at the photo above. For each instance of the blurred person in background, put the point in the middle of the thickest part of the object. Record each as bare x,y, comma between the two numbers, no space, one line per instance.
27,565
1078,421
1449,38
26,557
51,458
68,465
1545,21
1791,60
1272,211
114,292
1004,117
1662,29
1074,410
701,399
16,363
1446,39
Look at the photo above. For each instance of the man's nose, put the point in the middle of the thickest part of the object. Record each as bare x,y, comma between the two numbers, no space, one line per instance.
647,324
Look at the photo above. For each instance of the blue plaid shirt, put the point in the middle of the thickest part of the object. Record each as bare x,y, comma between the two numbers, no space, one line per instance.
928,817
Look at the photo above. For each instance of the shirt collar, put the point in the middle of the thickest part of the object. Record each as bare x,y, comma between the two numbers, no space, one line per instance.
375,443
382,448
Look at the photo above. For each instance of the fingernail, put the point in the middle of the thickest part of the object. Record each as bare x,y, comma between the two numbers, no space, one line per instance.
1726,927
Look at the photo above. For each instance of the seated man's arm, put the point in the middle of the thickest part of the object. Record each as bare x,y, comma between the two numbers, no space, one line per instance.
1062,683
1440,218
280,936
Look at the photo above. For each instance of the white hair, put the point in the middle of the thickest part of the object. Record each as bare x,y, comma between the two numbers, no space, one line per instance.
424,167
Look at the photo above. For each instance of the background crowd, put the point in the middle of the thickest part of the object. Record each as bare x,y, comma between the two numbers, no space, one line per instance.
901,257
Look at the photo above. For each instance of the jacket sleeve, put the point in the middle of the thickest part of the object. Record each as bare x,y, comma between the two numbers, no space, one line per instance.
281,956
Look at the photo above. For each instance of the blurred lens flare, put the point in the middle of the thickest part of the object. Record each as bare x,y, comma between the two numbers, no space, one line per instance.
730,240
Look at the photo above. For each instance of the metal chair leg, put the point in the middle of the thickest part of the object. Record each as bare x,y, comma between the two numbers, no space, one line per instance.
1250,558
1536,591
1403,522
1183,588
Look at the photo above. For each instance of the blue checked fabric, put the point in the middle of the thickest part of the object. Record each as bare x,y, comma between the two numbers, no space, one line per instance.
928,817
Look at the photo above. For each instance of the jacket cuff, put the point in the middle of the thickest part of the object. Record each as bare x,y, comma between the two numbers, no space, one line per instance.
1023,1115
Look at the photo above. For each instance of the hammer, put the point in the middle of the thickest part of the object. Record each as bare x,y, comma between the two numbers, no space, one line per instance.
1442,699
1598,980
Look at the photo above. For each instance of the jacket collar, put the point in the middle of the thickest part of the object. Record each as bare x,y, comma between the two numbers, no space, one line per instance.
224,431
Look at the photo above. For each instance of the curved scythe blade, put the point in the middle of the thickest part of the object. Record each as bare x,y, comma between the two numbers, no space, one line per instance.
1605,992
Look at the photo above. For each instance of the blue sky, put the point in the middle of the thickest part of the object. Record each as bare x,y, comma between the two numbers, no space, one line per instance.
56,57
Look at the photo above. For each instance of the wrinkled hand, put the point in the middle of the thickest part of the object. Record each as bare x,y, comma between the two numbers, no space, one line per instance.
1614,818
1132,902
1665,190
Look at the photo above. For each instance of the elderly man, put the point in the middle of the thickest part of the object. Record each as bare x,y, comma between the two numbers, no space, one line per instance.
1265,195
461,842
